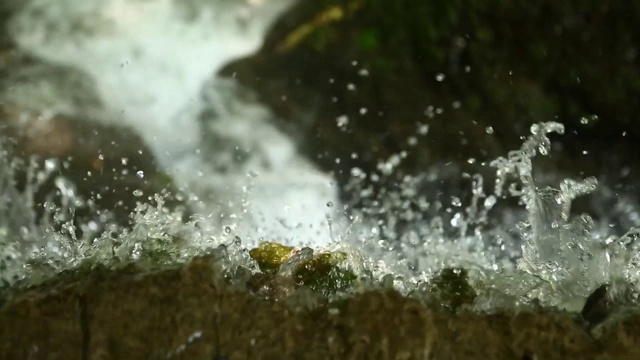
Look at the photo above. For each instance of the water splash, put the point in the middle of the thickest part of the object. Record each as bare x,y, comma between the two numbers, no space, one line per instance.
153,62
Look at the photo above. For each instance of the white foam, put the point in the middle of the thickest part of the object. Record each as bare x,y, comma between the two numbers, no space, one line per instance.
150,61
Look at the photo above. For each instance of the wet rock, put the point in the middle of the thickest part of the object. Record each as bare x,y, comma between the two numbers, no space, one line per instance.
192,313
325,273
597,307
270,256
285,268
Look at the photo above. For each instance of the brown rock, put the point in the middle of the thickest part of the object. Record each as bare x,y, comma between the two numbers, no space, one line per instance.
191,313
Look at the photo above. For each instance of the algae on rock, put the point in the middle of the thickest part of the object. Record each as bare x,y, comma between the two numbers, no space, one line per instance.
452,289
325,273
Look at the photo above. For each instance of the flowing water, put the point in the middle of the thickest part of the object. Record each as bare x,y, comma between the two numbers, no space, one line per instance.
152,64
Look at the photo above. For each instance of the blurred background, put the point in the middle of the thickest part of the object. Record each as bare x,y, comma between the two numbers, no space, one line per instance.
437,87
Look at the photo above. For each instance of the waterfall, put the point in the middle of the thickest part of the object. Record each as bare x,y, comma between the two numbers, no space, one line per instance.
153,64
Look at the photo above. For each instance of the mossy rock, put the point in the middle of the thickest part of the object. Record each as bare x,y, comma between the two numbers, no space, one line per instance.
325,273
270,256
452,289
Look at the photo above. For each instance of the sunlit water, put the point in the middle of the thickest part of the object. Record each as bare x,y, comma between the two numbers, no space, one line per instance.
153,64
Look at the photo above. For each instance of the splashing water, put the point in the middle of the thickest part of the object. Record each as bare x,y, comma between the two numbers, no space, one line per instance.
153,65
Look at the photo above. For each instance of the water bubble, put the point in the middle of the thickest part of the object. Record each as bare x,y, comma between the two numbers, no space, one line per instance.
363,111
137,193
140,174
330,204
124,161
351,87
423,129
440,77
489,130
227,230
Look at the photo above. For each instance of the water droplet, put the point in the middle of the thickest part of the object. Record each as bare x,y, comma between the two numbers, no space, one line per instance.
330,204
455,201
51,164
357,172
440,77
342,121
457,220
490,201
423,129
124,161
140,174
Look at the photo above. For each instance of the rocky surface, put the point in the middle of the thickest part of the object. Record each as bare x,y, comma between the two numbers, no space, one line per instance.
191,312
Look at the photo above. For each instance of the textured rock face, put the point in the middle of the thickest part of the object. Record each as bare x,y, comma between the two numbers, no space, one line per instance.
477,74
192,313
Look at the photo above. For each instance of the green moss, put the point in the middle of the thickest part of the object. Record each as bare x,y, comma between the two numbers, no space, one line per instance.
368,39
270,256
451,288
325,273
